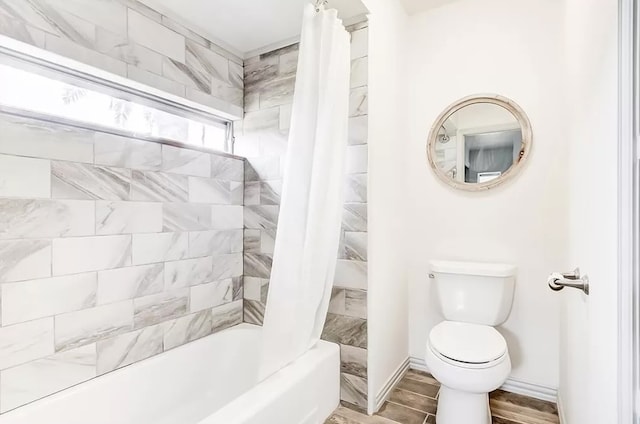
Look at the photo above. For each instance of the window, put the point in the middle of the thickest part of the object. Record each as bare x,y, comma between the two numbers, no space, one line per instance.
35,89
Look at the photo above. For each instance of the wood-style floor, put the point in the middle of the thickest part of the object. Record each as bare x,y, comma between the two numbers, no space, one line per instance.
414,401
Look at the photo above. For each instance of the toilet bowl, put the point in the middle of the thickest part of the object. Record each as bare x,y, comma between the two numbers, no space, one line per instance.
469,360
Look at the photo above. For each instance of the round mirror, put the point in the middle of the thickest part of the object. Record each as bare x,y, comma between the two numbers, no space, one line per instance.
479,142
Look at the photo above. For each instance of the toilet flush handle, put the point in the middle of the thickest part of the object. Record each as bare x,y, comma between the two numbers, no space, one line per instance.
558,281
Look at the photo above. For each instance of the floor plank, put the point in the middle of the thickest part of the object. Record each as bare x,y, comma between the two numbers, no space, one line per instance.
413,401
402,414
422,388
421,376
431,419
344,415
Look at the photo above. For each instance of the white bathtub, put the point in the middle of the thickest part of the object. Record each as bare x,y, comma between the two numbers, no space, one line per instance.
209,381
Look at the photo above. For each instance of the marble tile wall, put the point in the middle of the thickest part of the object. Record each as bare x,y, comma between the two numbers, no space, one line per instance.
262,137
129,39
107,257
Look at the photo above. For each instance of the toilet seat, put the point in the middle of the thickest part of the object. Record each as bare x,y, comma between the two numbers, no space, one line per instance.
467,345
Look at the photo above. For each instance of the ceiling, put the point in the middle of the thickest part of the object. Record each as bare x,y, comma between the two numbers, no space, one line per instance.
417,6
248,27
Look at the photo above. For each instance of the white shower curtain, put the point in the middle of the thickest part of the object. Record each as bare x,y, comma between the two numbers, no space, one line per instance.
309,224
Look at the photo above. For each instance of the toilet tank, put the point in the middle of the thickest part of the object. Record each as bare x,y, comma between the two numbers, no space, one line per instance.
474,292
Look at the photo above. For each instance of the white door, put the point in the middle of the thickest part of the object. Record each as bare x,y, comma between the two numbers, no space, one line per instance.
588,392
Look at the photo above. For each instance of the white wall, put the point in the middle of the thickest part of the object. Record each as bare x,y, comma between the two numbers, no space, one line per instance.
512,48
387,296
588,367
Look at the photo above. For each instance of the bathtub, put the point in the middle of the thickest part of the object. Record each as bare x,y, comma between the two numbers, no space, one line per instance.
209,381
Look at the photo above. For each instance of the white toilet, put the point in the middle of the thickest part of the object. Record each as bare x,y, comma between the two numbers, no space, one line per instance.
465,353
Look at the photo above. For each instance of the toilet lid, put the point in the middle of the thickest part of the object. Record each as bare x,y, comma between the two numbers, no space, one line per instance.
468,343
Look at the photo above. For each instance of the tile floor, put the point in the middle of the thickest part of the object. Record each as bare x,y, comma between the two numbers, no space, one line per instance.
413,401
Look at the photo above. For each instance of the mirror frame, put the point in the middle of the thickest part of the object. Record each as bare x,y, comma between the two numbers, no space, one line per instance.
508,104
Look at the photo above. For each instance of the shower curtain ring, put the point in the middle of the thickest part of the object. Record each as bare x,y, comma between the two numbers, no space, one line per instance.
320,3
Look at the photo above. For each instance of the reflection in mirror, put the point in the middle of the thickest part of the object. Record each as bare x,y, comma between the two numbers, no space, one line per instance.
478,143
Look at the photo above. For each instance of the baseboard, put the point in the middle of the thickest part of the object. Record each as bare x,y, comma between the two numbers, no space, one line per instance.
382,396
511,385
563,419
418,364
532,390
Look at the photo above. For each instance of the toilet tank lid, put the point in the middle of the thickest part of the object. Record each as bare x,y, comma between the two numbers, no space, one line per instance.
473,268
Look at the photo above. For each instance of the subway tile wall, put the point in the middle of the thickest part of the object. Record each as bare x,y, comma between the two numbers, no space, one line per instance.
132,40
149,244
112,250
262,138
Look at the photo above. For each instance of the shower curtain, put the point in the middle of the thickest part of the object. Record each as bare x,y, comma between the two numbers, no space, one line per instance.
308,234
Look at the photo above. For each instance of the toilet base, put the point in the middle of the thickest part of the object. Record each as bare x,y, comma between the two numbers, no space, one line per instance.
456,407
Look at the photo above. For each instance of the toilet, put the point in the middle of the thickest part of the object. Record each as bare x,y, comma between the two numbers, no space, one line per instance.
465,353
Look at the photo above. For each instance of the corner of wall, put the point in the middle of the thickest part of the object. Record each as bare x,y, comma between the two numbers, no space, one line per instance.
388,292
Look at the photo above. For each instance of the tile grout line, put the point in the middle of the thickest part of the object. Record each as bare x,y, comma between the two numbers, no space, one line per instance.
420,394
512,421
426,420
408,407
522,418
